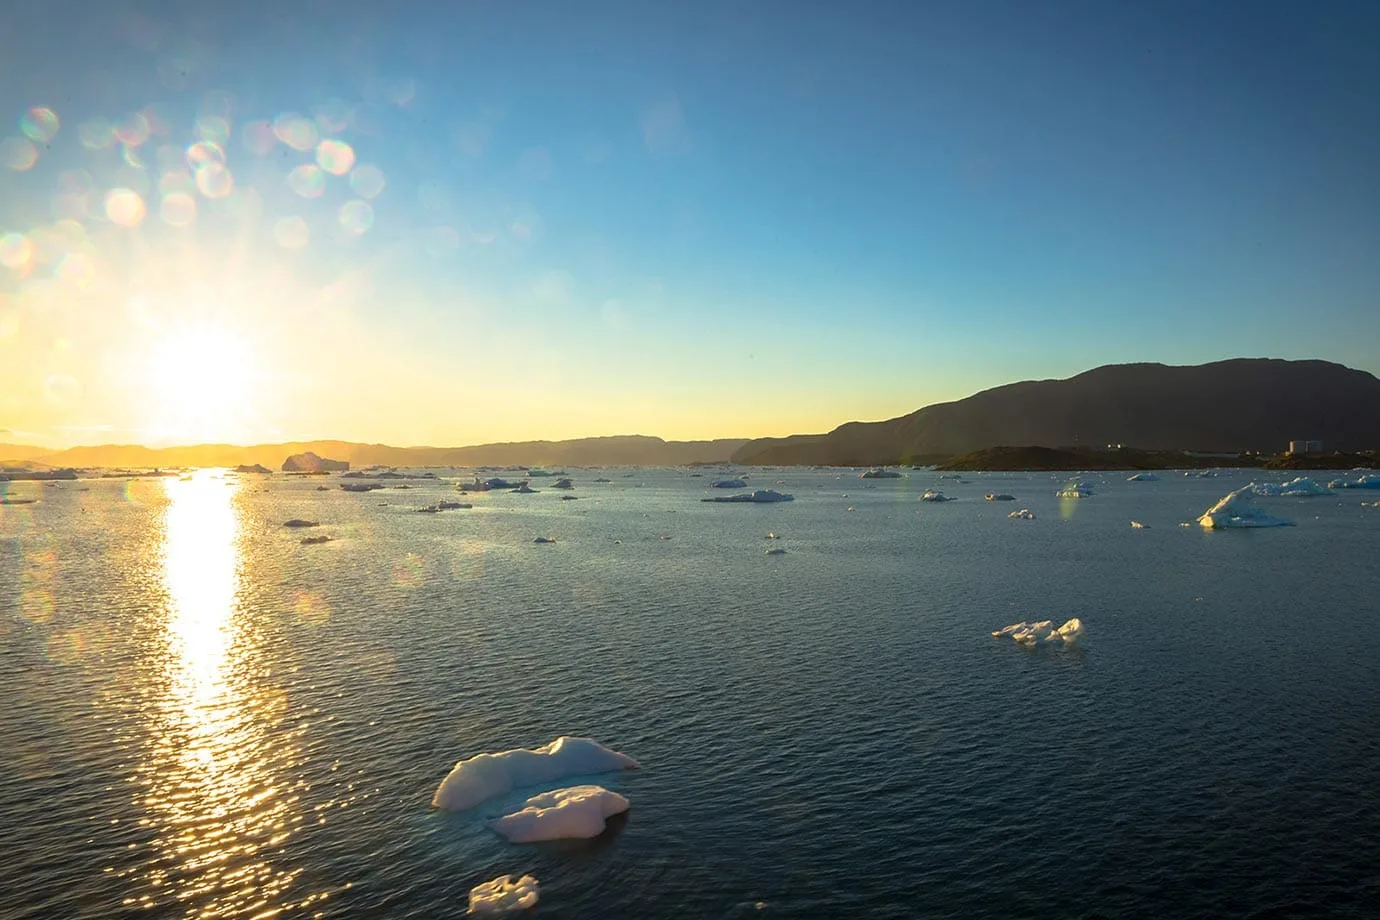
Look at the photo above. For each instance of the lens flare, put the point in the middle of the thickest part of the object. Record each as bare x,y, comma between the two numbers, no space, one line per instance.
96,134
258,138
335,157
307,180
291,232
176,182
124,207
16,251
367,181
178,209
132,130
18,153
40,124
203,152
297,132
214,180
213,129
356,217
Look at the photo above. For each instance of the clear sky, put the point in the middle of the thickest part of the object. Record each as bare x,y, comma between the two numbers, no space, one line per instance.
451,223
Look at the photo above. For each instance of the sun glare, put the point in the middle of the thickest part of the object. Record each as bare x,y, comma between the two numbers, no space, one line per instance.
204,384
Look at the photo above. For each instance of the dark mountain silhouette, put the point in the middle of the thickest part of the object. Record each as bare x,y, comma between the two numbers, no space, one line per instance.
625,450
1237,405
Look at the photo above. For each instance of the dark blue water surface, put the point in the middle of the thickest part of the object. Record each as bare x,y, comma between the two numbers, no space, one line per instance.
203,717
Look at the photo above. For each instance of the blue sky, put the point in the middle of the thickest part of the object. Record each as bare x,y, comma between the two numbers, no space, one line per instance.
706,219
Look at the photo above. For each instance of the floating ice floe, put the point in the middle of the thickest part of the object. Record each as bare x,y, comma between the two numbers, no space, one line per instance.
759,495
878,472
562,484
525,489
1364,482
1075,490
1025,514
999,497
570,498
1370,504
1036,632
932,496
503,895
483,776
1137,525
1301,487
728,484
298,522
577,812
544,540
771,535
312,541
428,509
450,506
776,551
1237,510
1142,477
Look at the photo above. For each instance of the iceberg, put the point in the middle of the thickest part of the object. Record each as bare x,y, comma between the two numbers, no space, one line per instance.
728,484
298,522
483,776
503,895
1041,631
1302,487
1025,514
544,540
999,497
1137,525
1237,510
1365,482
932,496
1142,477
525,489
1075,490
360,486
878,472
577,812
562,484
760,495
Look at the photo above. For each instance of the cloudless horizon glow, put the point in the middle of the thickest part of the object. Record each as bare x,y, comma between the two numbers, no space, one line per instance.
460,223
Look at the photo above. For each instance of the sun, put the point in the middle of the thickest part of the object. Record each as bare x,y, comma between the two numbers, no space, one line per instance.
203,383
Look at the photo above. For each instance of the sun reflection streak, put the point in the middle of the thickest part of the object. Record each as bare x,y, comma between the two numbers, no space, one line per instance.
212,778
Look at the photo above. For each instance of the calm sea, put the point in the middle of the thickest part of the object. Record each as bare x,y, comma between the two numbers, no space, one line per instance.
204,718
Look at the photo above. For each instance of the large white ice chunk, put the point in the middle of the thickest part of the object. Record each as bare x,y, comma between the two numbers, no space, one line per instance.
1024,514
1370,481
1301,487
759,496
1041,631
1075,490
1237,510
728,484
578,812
483,776
503,895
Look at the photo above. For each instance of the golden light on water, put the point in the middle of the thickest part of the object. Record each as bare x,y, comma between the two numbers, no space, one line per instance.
214,771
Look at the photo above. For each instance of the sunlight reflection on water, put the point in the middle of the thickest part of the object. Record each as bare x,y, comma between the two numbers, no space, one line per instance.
211,780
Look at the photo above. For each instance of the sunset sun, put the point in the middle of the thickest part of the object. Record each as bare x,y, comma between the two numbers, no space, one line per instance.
203,383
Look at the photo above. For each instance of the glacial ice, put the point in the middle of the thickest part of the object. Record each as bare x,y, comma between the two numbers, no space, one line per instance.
1075,490
932,496
878,472
1025,514
1137,525
1370,481
1301,487
760,495
1237,510
1142,477
728,484
1041,631
577,812
503,895
483,776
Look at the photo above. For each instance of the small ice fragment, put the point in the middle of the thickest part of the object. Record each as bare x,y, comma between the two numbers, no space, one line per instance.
1139,526
776,551
577,812
1025,514
298,522
999,497
1142,477
503,895
483,776
544,540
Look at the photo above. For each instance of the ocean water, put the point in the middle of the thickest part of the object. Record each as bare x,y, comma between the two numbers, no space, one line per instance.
204,718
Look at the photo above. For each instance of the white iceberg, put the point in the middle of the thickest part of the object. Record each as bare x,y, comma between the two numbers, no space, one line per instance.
728,484
932,496
1025,514
483,776
999,497
1301,487
1365,482
1075,490
578,812
760,495
1137,525
1142,477
1041,631
503,895
878,472
1237,510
